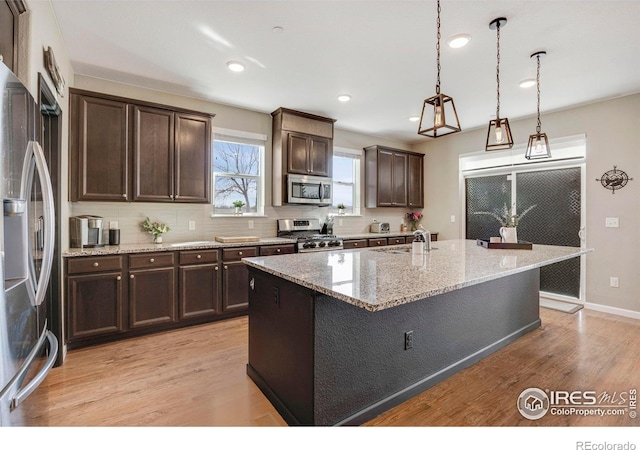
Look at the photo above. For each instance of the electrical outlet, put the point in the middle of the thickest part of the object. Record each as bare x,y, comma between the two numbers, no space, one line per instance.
613,282
453,218
250,224
611,222
113,225
192,225
276,295
408,340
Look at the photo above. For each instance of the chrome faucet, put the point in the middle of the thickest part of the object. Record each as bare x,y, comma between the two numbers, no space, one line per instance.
423,236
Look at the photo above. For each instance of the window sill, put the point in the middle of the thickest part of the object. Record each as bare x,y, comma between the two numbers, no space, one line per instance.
238,216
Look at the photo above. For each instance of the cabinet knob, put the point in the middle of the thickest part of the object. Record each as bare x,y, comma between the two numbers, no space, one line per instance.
216,268
124,195
240,253
132,276
152,260
118,278
199,256
355,244
95,264
278,250
225,267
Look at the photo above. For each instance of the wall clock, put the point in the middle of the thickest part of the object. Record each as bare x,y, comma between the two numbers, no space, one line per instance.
614,179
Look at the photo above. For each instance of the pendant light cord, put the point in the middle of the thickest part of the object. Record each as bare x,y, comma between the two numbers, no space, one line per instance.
539,126
438,50
498,71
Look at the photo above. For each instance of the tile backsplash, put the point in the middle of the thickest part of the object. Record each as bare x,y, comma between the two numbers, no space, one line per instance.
177,217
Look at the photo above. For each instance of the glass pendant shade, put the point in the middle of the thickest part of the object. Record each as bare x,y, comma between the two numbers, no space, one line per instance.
499,135
439,116
538,147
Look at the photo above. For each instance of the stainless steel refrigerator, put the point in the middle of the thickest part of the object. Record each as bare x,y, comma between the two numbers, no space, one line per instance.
27,348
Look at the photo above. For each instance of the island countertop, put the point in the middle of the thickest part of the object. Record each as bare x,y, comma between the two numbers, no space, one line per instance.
381,278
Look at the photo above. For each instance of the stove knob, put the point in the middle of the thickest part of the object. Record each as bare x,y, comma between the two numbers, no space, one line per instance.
322,244
307,245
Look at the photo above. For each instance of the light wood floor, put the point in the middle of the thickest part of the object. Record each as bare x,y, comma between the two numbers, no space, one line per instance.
197,377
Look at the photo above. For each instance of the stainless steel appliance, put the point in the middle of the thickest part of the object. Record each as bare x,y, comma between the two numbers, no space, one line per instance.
308,236
380,227
86,231
309,190
28,349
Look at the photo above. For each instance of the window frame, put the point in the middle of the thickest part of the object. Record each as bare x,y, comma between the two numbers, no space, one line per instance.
357,157
241,137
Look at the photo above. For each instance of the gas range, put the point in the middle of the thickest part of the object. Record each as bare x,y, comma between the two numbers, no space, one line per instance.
307,234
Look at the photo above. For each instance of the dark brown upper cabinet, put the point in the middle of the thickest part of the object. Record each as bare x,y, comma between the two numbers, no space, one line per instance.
99,149
393,178
302,144
127,150
10,11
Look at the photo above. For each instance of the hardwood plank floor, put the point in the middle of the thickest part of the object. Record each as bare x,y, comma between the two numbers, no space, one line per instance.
197,377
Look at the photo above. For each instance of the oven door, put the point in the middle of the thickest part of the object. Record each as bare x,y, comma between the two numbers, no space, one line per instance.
309,190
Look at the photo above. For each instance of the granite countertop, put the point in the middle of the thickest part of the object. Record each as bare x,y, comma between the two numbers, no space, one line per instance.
382,277
368,235
168,247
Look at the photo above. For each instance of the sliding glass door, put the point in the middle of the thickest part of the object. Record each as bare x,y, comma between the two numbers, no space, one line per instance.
556,218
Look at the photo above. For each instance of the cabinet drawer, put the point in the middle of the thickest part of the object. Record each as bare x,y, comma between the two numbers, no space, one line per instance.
198,256
396,240
94,264
269,250
355,243
149,260
377,242
237,253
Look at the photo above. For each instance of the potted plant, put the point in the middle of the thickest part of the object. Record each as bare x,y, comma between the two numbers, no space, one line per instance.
341,208
157,229
238,205
509,221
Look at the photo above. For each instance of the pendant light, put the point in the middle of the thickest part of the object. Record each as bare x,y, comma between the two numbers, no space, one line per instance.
499,134
437,110
538,146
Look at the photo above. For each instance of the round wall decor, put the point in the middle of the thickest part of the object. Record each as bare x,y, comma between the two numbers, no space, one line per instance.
614,179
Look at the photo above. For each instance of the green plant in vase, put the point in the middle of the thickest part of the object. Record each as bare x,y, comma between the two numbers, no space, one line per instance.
238,204
156,229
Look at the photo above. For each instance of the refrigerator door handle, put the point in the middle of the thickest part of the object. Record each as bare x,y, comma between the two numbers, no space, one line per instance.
36,155
23,393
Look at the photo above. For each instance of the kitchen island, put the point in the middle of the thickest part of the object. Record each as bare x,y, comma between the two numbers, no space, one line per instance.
336,338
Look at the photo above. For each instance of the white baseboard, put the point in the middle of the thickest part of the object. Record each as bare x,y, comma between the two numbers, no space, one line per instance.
613,310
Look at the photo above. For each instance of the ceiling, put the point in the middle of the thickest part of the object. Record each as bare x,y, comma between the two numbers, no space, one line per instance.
382,53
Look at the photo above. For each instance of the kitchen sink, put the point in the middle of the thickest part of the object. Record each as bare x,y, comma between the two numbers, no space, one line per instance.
192,243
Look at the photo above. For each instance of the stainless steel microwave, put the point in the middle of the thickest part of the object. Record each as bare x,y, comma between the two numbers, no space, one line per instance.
309,190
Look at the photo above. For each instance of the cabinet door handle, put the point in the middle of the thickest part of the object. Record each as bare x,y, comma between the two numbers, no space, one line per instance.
216,268
152,260
225,267
95,264
355,244
240,253
278,250
199,256
124,195
118,278
132,276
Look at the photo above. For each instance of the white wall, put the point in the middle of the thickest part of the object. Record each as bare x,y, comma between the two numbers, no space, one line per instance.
612,129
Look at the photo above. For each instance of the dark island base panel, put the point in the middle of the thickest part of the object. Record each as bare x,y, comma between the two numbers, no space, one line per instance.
321,361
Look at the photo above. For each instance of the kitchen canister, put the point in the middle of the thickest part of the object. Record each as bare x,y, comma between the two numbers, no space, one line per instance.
114,237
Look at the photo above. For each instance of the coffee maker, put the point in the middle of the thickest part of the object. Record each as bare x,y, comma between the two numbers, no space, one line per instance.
86,231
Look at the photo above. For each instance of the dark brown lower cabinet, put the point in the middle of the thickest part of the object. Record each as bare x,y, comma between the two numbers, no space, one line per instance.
95,304
235,278
152,297
199,290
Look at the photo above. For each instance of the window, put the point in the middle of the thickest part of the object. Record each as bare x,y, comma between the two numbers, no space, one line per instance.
346,179
238,171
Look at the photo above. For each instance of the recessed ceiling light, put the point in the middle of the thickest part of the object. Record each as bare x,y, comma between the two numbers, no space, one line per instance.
235,66
529,82
344,98
459,40
414,118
